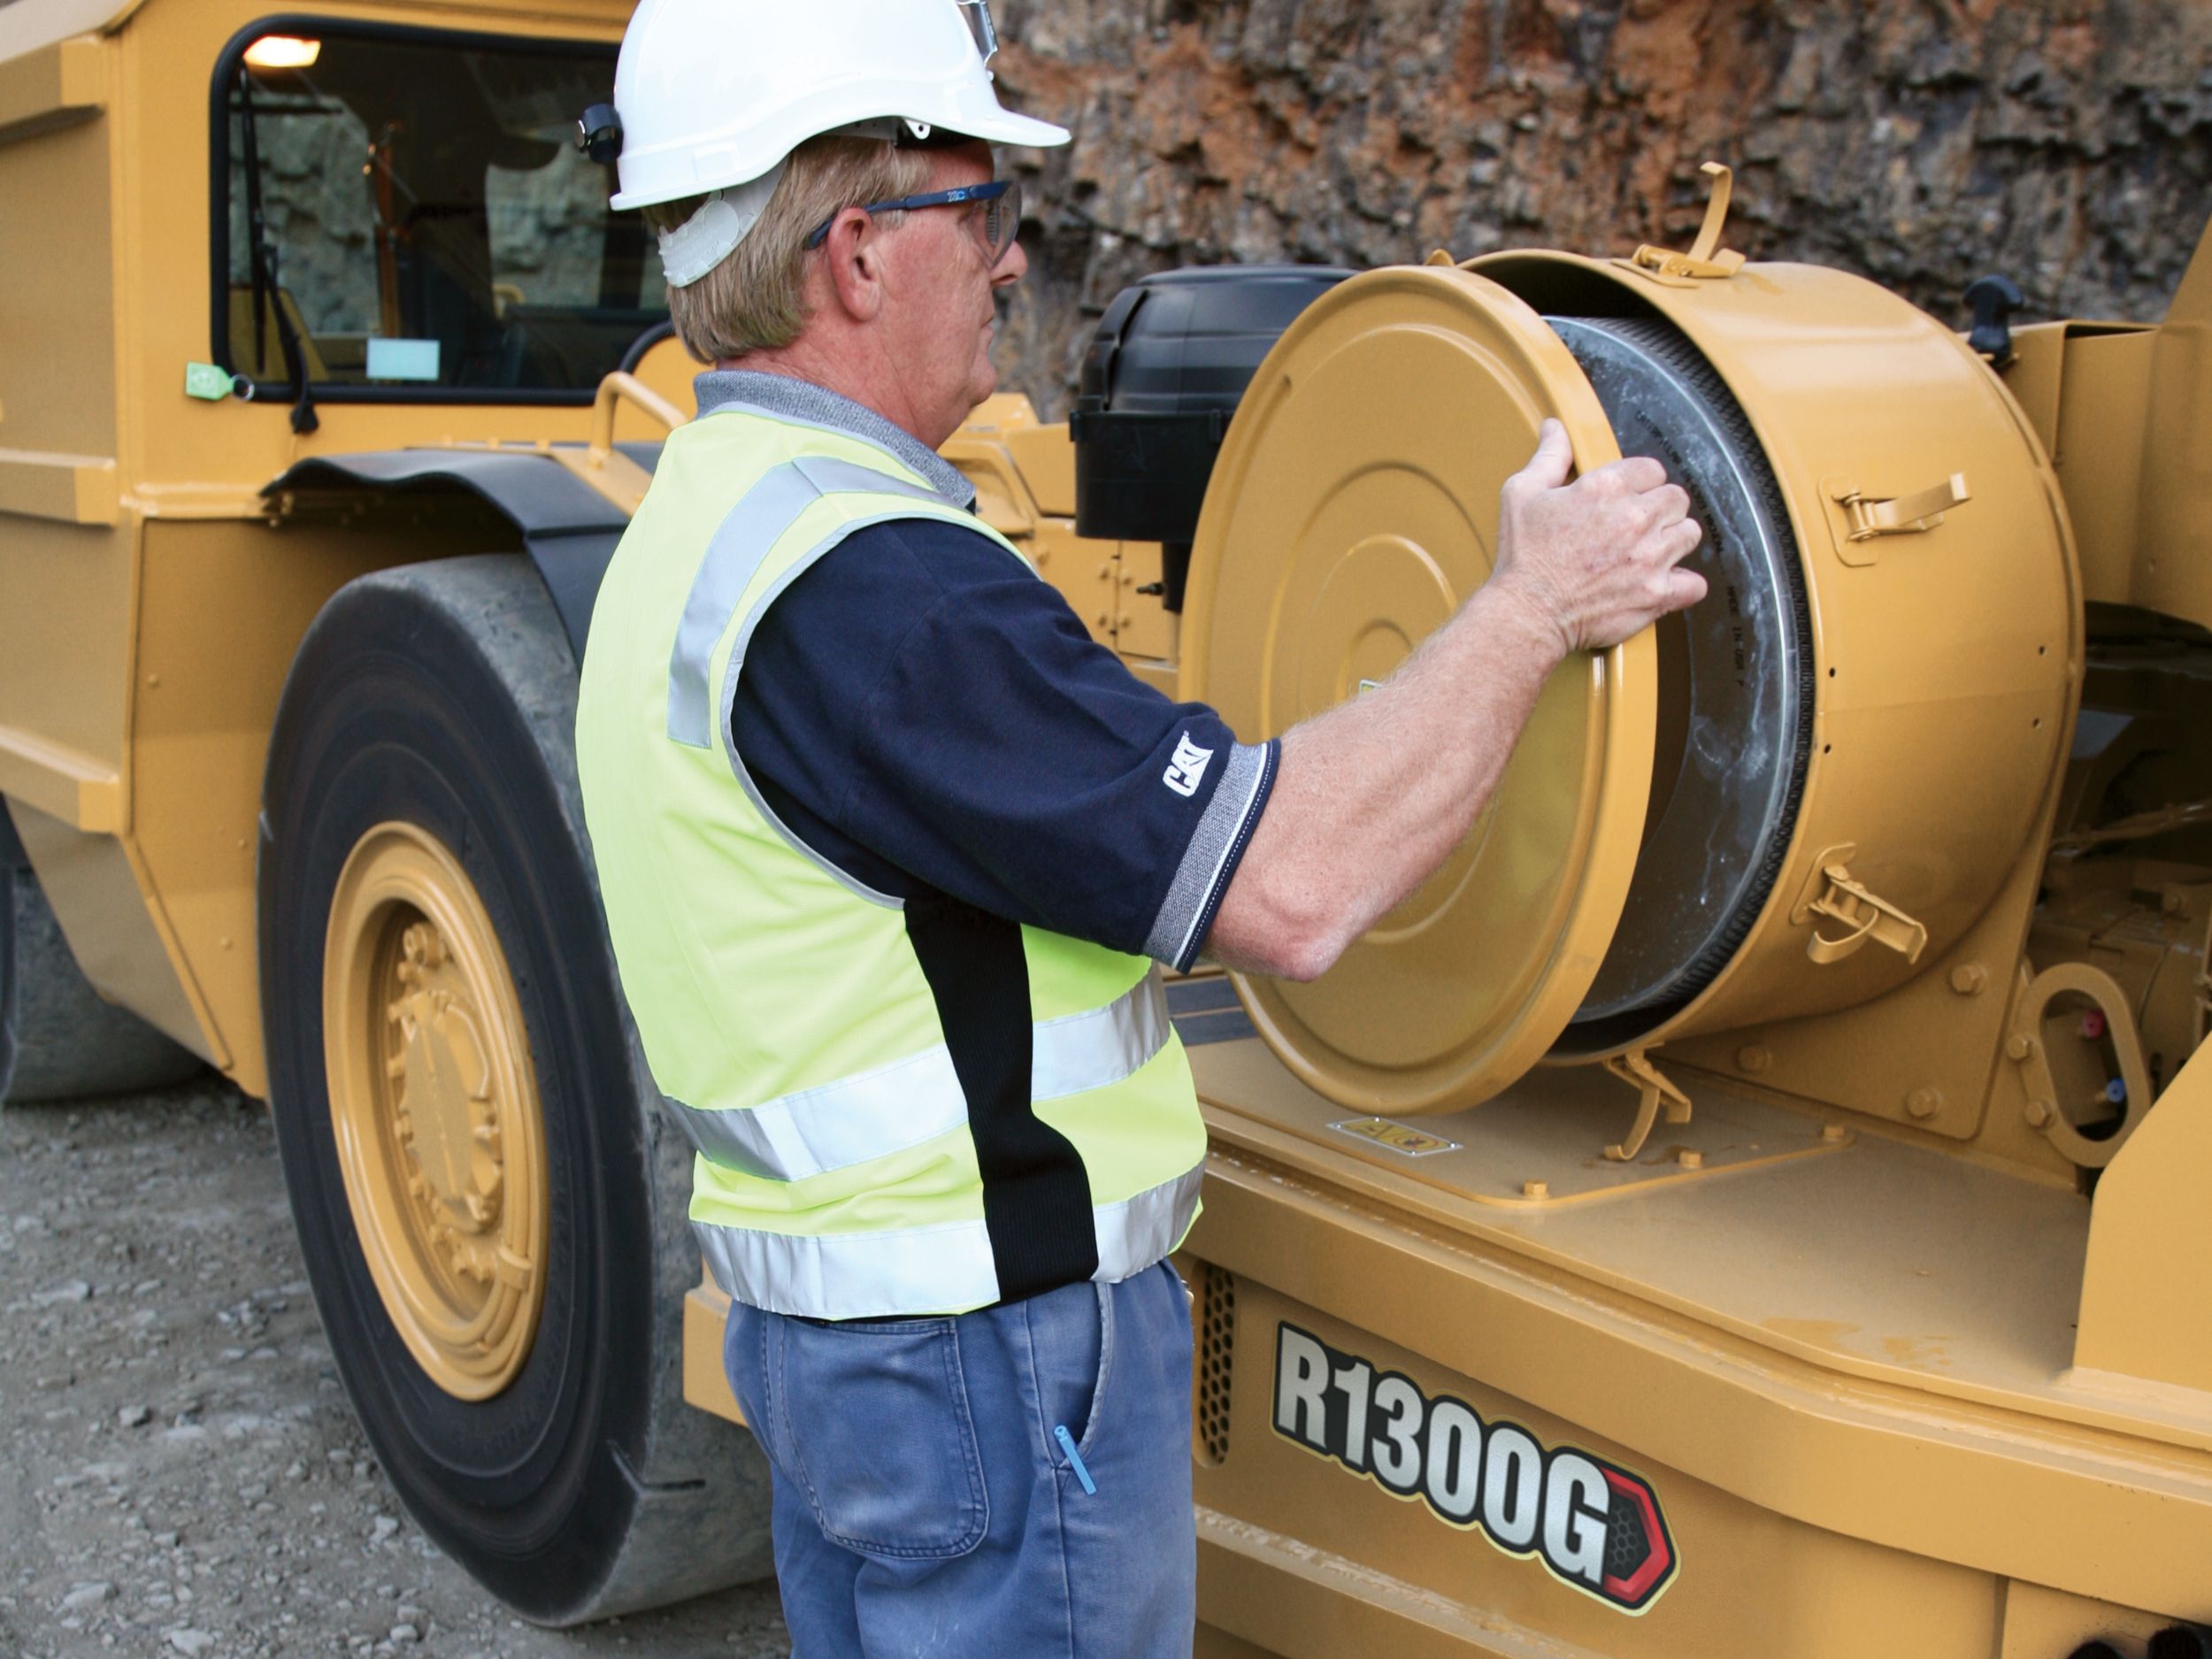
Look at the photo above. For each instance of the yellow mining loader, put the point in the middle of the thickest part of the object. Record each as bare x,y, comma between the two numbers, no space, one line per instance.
1750,1201
323,367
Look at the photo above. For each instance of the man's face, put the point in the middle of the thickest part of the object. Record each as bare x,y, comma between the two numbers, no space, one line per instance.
941,314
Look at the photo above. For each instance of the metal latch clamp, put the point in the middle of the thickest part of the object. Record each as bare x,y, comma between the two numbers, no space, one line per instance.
1858,520
1707,258
1654,1091
1867,917
1900,515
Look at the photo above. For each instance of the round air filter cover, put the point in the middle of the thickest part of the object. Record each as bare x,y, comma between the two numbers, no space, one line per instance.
1354,507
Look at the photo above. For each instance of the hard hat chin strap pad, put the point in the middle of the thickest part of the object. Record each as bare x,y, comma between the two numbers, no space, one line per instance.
712,234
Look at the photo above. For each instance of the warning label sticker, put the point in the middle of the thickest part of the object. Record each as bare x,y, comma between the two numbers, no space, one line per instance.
1415,1143
1595,1527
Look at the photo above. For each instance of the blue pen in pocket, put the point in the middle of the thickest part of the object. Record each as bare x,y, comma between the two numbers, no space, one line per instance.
1075,1458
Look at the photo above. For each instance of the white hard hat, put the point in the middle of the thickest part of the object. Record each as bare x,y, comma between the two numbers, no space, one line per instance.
714,94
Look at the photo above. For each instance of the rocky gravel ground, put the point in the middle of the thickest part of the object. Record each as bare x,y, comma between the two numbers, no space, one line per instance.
180,1470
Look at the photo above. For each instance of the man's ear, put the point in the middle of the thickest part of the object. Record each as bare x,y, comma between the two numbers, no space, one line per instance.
852,255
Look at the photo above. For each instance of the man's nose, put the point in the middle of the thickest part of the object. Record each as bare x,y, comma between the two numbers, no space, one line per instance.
1011,269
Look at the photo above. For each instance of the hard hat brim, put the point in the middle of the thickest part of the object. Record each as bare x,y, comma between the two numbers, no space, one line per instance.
993,126
1023,130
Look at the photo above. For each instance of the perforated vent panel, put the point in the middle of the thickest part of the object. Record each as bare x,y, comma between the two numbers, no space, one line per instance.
1213,1328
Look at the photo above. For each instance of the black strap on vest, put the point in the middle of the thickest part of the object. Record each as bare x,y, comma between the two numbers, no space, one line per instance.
1036,1197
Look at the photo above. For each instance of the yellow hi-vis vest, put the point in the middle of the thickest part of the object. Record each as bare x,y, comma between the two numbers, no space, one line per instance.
894,1112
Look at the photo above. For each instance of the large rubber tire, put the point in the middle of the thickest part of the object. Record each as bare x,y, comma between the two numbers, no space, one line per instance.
441,697
59,1039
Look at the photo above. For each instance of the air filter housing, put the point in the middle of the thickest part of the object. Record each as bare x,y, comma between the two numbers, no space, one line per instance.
1786,801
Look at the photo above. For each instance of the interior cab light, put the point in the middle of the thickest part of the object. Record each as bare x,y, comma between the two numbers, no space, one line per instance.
282,52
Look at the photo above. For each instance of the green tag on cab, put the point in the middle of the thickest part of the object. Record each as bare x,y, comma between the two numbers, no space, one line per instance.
205,380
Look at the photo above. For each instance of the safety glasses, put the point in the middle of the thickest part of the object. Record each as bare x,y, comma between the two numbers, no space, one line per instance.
995,215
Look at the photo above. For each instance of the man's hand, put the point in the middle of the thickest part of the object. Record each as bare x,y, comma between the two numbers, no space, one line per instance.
1598,559
1373,796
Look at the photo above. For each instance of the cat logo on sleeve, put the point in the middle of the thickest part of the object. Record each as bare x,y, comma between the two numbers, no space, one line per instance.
1596,1528
1188,766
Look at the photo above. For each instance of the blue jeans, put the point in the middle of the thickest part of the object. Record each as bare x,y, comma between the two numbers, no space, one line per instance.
925,1503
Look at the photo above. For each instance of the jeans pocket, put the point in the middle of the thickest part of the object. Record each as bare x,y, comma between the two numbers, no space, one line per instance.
882,1437
1096,1412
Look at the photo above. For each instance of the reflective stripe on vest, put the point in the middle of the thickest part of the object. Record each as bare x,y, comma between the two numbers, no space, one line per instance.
743,540
919,1098
925,1270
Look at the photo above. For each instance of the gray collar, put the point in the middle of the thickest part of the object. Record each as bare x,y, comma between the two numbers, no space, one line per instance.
784,398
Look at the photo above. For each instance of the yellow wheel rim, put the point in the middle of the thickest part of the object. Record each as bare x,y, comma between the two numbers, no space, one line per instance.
435,1106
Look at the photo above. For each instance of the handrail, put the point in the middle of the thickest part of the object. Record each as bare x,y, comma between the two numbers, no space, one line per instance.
614,390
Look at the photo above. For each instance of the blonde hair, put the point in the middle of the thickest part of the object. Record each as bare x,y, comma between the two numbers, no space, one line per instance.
756,299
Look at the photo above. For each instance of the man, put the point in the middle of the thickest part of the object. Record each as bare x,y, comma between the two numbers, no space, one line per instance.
890,849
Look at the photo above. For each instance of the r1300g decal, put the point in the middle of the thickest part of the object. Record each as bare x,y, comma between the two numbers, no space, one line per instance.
1595,1527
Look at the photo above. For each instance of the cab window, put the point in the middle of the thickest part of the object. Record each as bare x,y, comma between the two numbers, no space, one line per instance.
407,215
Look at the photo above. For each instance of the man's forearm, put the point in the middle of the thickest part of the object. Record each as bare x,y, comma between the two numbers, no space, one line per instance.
1371,797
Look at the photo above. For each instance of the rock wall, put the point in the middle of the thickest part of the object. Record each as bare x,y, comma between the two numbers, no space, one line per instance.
2067,143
